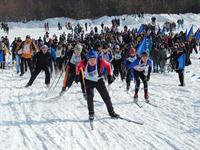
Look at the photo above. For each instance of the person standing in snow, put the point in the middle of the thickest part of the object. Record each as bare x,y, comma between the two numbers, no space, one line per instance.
140,66
94,79
3,51
180,59
42,60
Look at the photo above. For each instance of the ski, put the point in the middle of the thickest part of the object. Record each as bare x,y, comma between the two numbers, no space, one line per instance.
132,121
91,124
151,104
140,106
135,100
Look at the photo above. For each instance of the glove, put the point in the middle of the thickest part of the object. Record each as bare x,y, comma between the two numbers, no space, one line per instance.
77,78
110,79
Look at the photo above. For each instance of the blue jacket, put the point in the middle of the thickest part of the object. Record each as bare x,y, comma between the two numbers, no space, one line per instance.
181,61
139,66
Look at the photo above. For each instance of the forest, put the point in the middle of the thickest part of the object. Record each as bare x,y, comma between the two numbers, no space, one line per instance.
18,10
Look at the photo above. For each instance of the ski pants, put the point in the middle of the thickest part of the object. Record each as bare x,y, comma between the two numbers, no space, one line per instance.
140,75
181,76
117,64
101,88
70,76
37,71
23,63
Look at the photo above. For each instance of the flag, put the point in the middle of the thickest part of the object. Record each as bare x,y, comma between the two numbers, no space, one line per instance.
197,35
142,47
181,61
189,33
141,29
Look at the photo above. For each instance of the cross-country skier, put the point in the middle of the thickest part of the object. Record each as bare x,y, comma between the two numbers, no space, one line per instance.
42,59
140,65
74,57
129,63
94,79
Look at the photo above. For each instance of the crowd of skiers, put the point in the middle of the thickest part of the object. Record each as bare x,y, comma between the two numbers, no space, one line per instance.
96,57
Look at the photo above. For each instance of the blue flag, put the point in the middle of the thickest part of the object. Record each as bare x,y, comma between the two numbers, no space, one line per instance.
189,33
141,29
197,35
142,47
181,61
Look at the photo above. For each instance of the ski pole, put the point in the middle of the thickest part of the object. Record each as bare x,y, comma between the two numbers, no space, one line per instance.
53,82
58,80
83,78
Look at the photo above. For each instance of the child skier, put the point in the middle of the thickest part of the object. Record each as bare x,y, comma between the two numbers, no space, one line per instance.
129,67
94,79
140,66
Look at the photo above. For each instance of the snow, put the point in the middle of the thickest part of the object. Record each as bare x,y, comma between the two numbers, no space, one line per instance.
36,28
31,121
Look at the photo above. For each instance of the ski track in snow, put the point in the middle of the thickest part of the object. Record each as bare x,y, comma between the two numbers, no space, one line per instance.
31,121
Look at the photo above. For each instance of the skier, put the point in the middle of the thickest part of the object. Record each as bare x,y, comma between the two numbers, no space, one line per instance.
93,79
106,53
162,55
42,59
129,67
117,62
74,57
140,66
16,48
26,50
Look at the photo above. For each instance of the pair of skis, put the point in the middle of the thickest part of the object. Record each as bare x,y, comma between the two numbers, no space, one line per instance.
135,101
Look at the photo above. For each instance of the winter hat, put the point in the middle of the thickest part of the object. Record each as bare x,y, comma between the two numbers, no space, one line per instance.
92,54
78,47
117,47
28,37
105,45
44,47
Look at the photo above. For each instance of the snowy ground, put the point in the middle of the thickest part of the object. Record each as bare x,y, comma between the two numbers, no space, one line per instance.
31,121
35,28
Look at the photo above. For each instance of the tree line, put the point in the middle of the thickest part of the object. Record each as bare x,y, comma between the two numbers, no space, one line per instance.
17,10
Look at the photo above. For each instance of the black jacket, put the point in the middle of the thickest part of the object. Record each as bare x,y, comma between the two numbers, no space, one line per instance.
41,59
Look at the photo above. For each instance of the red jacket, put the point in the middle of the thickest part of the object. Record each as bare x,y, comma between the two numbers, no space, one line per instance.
102,64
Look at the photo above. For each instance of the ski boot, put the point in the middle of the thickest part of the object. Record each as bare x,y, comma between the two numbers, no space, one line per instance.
114,115
85,96
146,97
27,85
135,98
62,91
91,117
